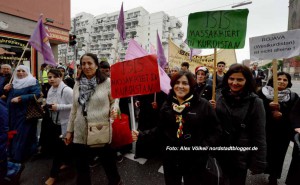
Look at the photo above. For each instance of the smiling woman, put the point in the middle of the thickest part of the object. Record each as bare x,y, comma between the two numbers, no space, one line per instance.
279,127
186,121
243,121
92,91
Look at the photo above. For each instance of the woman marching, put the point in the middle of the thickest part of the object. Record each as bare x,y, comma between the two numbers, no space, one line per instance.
186,121
243,121
203,88
92,102
23,89
279,128
58,106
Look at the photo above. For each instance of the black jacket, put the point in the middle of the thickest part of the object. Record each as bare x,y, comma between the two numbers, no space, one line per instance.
204,91
243,122
259,77
200,129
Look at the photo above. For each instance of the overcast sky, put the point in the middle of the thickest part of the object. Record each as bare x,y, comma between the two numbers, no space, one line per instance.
265,16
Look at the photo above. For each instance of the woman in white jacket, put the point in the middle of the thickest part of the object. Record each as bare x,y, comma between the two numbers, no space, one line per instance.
58,104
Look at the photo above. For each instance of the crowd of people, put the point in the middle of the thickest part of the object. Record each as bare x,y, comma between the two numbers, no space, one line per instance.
242,114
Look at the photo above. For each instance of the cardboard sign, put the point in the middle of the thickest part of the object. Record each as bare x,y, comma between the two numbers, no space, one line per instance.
135,77
217,29
275,46
178,55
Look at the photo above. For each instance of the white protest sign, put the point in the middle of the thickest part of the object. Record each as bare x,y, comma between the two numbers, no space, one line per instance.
275,46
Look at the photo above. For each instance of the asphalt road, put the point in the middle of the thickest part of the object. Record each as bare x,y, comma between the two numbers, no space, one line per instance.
141,172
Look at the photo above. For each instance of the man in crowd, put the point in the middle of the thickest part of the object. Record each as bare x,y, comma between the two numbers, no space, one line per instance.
105,68
44,80
185,66
5,75
258,75
220,74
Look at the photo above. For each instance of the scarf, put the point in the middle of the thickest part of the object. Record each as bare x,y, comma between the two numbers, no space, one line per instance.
20,83
179,108
283,96
86,90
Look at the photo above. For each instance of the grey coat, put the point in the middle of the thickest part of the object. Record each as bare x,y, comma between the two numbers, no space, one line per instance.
243,122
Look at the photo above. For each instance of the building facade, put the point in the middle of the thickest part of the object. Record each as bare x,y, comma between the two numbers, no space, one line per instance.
99,34
292,65
17,22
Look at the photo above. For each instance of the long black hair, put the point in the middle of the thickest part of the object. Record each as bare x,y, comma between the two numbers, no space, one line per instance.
99,76
239,68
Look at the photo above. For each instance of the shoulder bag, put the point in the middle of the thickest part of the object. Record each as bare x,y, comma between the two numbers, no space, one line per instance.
34,109
98,134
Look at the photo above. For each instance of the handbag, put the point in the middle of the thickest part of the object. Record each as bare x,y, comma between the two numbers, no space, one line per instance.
99,134
34,109
121,134
214,173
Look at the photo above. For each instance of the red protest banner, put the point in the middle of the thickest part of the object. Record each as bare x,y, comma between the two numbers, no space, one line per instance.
135,77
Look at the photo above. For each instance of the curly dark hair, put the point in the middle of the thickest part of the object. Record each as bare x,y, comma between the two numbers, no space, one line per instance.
99,76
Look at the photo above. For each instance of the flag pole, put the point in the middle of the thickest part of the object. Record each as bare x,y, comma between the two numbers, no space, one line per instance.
19,61
132,114
275,81
214,75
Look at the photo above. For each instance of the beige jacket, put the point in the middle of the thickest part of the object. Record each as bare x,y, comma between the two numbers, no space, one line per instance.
98,110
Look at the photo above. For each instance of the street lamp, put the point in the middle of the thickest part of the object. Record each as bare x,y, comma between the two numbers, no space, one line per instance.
242,4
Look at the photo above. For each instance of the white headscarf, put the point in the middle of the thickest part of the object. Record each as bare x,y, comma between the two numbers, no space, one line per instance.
29,80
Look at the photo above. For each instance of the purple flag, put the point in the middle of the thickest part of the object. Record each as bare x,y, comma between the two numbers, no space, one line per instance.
134,50
164,80
152,49
160,53
194,52
39,40
121,25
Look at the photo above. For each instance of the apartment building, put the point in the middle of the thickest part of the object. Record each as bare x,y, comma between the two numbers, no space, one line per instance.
99,34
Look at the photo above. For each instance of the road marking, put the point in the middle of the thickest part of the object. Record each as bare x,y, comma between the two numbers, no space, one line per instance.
131,157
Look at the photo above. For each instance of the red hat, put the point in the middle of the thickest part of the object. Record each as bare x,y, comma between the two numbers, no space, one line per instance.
202,68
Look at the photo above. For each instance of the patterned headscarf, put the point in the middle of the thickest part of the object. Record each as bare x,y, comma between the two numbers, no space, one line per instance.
178,109
86,90
283,96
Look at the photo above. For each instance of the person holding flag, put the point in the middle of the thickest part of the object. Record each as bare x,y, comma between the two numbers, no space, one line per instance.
24,88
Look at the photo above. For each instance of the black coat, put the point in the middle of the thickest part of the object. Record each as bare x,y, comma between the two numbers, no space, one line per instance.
243,122
201,128
148,119
259,77
204,91
279,133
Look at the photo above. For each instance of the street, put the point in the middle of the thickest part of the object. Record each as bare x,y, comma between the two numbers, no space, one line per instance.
132,172
296,86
